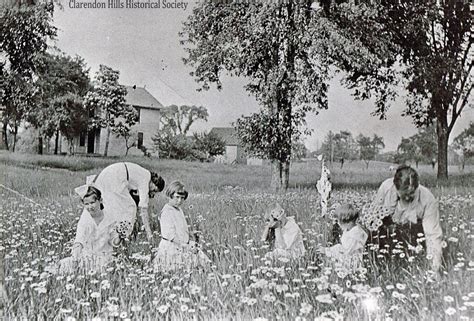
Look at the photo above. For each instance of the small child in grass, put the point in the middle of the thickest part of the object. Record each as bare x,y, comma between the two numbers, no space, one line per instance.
176,250
283,234
347,255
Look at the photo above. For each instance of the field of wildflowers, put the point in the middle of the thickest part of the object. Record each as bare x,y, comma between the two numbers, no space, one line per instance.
242,284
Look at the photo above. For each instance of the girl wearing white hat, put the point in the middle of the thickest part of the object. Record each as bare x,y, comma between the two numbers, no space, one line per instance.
96,234
283,234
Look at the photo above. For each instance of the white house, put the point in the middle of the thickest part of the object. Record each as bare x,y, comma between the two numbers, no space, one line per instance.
149,111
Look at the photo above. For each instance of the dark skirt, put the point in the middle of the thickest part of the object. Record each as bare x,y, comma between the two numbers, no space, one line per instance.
397,246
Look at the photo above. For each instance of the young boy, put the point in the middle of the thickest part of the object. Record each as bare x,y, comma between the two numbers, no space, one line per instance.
348,254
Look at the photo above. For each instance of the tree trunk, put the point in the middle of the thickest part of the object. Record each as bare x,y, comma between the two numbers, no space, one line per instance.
71,146
286,175
15,134
56,143
126,147
443,136
276,182
40,144
107,139
5,133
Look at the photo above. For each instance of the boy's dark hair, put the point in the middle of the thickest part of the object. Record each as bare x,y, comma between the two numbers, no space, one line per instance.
347,213
405,176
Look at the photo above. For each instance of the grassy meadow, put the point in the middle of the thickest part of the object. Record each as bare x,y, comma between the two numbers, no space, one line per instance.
226,204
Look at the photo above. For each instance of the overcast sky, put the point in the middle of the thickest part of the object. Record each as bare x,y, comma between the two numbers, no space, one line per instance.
144,46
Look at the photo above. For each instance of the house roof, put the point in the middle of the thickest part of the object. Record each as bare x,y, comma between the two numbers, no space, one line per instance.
140,97
227,134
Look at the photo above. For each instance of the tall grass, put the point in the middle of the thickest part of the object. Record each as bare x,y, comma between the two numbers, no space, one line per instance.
226,203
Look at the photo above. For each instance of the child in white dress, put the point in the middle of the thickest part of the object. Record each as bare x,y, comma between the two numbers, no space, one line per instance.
176,250
283,234
96,235
347,255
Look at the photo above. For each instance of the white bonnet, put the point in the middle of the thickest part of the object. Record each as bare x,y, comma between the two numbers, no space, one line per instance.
82,190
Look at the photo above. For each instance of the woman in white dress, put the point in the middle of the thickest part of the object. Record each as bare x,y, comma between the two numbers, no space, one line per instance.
122,183
176,250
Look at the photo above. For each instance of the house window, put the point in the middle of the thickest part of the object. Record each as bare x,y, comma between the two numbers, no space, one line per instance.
140,140
82,139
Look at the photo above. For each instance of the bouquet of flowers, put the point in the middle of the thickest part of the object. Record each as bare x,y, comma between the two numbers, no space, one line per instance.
123,229
372,216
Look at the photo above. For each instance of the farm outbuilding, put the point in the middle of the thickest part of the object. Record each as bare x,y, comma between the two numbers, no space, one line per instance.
234,152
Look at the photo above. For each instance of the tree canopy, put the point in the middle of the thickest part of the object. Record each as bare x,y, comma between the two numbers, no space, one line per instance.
272,45
428,42
62,81
25,30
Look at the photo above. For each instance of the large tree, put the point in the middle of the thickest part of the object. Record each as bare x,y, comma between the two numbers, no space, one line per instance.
63,81
107,104
428,42
271,44
25,28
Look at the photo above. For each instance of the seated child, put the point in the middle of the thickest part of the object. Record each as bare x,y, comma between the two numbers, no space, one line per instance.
176,250
283,234
348,254
96,235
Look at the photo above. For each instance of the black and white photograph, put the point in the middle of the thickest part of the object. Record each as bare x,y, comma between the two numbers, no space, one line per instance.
236,160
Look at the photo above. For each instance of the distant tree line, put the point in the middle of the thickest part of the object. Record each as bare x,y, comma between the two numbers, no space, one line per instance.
419,148
343,146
